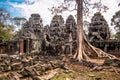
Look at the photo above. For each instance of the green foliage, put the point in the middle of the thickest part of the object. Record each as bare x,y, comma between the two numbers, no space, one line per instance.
18,21
63,77
116,22
4,78
117,35
6,31
4,15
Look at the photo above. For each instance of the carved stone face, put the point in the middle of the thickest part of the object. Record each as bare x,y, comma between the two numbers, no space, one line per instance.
35,20
70,23
54,23
71,26
57,20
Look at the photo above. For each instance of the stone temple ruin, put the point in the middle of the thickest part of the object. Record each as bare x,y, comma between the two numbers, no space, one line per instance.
59,37
38,49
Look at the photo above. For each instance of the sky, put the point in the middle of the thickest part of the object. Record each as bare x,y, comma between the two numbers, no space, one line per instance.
24,8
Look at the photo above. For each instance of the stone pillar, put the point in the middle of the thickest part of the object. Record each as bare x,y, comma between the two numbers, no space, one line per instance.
119,47
0,49
28,46
7,49
70,40
22,47
105,48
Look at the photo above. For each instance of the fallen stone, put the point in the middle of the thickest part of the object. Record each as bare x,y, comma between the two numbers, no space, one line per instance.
49,76
98,78
29,72
14,76
112,62
97,68
16,66
91,75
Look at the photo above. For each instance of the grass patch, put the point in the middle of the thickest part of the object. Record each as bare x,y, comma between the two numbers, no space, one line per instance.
63,76
4,78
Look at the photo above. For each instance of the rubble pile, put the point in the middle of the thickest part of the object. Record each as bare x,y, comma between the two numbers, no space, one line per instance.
28,65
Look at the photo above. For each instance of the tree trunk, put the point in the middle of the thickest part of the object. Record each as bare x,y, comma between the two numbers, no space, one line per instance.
80,29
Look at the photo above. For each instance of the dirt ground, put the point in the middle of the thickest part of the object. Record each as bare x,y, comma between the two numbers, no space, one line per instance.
80,72
75,71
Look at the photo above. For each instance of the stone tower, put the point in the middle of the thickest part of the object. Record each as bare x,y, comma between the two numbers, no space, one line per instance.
57,28
36,25
31,34
33,27
98,29
71,28
55,35
35,20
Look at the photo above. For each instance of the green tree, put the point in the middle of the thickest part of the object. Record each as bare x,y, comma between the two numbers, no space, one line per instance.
115,21
117,35
4,15
6,31
19,21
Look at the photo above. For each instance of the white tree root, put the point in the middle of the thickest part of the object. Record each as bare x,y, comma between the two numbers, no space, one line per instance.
87,51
